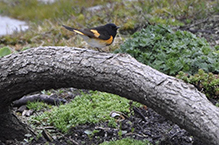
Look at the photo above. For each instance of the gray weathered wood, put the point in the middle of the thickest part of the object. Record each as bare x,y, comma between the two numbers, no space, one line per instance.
57,67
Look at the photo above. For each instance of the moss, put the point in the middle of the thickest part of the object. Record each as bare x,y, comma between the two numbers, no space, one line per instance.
37,106
207,83
88,108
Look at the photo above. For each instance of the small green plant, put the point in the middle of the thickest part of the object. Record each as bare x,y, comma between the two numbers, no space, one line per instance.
120,134
90,133
112,123
171,51
208,83
88,108
4,51
28,138
25,48
133,129
217,104
127,141
37,106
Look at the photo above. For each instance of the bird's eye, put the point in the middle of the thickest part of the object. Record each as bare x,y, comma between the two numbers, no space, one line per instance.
114,27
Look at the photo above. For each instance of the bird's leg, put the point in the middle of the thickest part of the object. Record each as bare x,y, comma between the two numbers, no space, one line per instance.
99,49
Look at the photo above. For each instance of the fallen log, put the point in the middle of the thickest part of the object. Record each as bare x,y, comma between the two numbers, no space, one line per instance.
46,68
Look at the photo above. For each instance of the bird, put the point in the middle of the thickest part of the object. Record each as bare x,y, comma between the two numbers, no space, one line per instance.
97,37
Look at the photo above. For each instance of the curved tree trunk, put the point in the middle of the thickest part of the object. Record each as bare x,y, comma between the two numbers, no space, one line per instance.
55,67
10,127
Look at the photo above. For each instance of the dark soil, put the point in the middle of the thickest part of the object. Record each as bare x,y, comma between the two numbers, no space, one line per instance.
153,128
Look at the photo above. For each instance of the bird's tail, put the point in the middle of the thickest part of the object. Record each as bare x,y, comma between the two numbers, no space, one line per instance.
68,28
74,30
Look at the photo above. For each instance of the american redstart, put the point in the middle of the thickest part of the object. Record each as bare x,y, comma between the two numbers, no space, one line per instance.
97,37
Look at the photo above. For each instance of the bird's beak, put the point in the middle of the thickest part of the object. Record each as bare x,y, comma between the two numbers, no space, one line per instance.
117,27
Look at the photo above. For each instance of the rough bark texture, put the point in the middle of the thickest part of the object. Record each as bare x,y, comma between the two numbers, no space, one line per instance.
11,128
55,67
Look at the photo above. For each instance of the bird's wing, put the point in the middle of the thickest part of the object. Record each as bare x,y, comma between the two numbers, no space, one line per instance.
92,33
87,32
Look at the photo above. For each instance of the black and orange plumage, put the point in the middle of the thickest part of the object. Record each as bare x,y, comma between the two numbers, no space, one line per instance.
98,37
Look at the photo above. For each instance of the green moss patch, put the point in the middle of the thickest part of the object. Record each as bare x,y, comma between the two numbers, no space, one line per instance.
207,83
88,108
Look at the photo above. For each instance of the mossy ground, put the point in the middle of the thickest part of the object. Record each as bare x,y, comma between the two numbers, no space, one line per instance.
89,108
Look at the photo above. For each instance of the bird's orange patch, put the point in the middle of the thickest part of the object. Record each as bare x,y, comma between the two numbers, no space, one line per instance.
78,32
109,41
96,34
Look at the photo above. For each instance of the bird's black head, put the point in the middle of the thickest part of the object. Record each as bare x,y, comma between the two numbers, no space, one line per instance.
112,28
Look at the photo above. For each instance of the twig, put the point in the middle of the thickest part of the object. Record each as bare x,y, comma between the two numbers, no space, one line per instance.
138,111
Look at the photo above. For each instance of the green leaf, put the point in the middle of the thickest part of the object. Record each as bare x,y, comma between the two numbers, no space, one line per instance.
88,132
178,50
4,51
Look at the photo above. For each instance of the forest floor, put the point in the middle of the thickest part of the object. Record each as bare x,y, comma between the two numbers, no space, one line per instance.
143,124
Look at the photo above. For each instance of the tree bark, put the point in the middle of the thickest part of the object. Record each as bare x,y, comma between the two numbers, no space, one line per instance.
59,67
11,128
